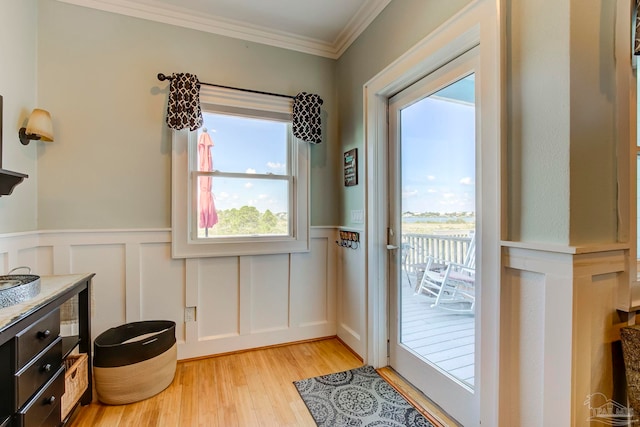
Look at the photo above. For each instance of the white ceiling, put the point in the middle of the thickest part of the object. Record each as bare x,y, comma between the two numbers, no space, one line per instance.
320,27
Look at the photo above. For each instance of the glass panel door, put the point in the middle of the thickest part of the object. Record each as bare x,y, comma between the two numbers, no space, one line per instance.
433,169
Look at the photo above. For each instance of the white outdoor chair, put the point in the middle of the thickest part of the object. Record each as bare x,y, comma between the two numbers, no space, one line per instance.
452,285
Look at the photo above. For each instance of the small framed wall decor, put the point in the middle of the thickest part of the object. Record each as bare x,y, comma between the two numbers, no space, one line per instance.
351,167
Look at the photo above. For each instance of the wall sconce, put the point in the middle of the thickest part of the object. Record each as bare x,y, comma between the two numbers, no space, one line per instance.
38,127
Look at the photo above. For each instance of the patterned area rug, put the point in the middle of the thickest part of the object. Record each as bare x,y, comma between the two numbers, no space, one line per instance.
359,397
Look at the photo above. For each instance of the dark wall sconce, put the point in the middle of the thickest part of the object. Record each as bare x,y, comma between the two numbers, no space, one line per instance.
39,127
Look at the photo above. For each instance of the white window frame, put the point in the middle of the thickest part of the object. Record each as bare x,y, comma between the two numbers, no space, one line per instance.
183,200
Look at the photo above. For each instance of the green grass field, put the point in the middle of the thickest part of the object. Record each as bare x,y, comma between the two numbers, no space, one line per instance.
436,228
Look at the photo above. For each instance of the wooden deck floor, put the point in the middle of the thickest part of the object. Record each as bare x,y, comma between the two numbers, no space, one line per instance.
443,338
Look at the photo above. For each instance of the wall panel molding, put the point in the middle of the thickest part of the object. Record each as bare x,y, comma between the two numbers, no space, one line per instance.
136,279
558,328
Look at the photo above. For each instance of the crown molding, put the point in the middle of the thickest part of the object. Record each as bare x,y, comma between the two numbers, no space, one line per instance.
358,23
226,27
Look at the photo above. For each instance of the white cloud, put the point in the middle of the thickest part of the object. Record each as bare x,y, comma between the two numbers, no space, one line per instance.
276,166
223,195
248,185
250,170
466,181
263,196
449,195
431,178
431,190
409,193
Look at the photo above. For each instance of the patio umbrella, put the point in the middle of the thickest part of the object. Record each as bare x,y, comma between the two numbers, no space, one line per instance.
206,206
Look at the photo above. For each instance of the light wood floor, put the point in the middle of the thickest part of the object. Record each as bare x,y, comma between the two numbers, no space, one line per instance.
248,389
253,388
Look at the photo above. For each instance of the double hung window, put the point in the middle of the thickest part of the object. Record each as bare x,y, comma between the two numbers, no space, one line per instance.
240,183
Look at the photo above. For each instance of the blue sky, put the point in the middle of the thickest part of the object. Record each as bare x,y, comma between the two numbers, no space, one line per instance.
248,146
438,156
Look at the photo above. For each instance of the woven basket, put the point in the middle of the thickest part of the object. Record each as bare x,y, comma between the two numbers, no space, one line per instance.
630,338
69,310
134,361
75,381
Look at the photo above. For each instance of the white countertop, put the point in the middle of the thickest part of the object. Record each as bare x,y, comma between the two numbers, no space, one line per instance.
50,288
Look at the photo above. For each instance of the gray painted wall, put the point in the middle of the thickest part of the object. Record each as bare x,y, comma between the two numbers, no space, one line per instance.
561,121
538,128
560,105
17,86
111,163
400,26
593,208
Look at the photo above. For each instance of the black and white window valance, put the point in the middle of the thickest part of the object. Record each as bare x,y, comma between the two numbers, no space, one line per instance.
307,124
184,111
183,108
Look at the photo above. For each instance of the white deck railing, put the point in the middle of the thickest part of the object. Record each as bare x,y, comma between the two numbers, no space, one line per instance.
448,248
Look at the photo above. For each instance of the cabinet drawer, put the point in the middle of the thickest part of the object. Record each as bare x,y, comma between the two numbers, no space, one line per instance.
38,372
36,337
40,410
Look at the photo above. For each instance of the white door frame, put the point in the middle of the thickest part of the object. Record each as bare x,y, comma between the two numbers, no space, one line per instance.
477,24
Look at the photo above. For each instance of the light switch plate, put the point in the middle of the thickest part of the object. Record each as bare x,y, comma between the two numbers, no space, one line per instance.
357,216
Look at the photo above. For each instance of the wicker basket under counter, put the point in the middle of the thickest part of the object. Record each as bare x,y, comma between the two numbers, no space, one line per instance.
75,381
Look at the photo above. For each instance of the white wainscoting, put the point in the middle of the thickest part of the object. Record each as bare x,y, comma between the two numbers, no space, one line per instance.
559,325
352,295
240,302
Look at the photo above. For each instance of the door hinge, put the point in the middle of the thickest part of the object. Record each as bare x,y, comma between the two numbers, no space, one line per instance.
388,348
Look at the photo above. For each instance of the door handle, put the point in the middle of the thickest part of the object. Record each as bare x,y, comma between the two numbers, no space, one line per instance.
391,247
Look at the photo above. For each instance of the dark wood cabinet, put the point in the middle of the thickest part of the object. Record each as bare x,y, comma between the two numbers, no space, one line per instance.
32,353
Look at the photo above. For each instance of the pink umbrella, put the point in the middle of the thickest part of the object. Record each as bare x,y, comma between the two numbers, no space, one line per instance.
207,209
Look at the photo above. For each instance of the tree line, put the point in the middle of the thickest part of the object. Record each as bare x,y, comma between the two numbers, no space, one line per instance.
249,220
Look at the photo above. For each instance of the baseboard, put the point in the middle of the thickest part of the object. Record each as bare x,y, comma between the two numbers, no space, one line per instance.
229,353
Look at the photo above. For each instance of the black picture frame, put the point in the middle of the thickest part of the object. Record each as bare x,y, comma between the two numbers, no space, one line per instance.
351,167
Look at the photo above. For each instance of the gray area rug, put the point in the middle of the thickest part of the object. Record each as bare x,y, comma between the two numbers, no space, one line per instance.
357,398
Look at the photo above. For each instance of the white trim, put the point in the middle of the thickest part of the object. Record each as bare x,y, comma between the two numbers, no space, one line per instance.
255,101
562,249
440,386
186,18
350,228
115,234
478,23
332,227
